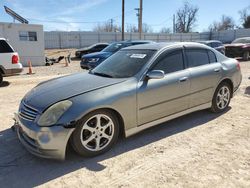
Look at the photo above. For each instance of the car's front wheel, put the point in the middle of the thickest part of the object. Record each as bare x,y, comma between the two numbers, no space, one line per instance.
221,98
95,133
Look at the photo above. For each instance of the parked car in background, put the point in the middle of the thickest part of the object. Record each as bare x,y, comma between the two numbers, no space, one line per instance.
91,49
134,89
90,61
239,48
9,60
215,44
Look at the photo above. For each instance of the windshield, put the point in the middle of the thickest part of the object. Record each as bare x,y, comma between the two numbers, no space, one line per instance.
123,64
242,40
114,47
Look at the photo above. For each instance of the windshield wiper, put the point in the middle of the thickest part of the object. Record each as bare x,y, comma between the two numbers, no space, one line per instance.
101,74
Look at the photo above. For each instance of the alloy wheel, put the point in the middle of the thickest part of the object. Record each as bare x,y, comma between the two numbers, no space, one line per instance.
223,97
97,132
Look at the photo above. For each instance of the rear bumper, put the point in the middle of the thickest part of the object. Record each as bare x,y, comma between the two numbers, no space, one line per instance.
8,72
45,142
237,88
15,69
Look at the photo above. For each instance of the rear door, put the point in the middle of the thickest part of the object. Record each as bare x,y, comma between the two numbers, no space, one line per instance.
6,53
205,73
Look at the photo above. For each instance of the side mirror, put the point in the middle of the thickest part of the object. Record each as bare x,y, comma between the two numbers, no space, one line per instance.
155,74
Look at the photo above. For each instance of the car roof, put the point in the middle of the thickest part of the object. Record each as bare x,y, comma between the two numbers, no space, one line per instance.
243,38
209,41
133,41
101,43
161,45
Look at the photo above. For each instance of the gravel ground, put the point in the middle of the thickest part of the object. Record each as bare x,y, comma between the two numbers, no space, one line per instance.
198,150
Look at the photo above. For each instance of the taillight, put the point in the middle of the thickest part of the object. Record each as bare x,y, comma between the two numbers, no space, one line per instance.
14,59
238,65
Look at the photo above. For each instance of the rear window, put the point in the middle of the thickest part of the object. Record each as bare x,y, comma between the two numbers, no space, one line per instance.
197,57
5,47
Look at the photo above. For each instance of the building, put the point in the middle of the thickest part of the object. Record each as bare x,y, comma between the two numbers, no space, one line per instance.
27,40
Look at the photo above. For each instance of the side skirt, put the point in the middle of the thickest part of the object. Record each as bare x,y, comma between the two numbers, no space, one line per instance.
162,120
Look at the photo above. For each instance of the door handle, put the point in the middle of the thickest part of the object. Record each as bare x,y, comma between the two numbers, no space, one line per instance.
216,70
183,79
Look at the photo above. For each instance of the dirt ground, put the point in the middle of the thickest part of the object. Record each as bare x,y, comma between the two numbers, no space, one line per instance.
198,150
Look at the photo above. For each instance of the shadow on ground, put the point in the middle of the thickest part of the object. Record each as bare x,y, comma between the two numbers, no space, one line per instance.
247,91
4,84
18,168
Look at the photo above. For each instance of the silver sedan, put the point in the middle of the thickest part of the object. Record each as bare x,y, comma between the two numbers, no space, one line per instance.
136,88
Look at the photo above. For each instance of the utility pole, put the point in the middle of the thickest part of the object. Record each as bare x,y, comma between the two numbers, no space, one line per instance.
111,24
123,19
138,15
174,23
140,21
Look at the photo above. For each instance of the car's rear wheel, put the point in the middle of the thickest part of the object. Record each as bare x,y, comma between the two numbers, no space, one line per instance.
221,98
1,78
95,133
246,55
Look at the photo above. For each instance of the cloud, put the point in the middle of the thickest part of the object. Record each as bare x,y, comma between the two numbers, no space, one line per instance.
63,13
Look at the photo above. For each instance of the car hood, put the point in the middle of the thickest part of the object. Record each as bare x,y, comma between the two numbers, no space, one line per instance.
58,89
98,55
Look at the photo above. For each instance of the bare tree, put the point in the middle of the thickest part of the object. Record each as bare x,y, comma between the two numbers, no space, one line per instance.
107,27
186,18
146,28
131,28
165,30
245,17
226,23
246,24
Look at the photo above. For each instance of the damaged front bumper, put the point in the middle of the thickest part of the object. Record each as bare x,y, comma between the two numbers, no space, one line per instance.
45,142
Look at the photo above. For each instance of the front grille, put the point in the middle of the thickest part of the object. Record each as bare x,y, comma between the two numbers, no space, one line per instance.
27,112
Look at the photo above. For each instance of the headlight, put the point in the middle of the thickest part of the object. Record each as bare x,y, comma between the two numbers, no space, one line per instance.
53,113
93,60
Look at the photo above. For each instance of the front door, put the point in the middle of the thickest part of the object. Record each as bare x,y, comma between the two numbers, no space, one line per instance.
158,98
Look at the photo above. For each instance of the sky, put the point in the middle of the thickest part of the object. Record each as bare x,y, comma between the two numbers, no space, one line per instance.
84,15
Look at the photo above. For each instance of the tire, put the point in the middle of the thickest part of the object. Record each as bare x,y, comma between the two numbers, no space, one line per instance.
91,138
1,78
221,98
245,56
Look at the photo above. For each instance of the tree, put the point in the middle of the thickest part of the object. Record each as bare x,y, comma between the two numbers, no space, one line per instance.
165,30
146,28
246,24
131,28
107,27
186,18
245,17
226,23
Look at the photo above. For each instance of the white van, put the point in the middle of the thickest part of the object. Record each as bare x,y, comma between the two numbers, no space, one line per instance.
9,60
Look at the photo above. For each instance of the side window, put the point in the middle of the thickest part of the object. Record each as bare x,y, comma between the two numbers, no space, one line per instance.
102,46
170,63
212,57
213,45
27,36
197,57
